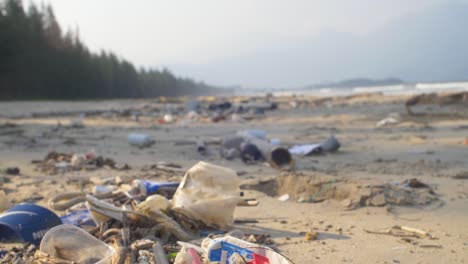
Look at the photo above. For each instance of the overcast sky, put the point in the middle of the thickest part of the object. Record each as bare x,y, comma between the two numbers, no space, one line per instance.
153,32
158,33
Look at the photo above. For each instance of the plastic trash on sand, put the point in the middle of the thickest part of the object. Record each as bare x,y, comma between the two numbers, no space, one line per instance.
331,144
140,140
306,149
155,202
208,193
387,121
81,218
187,256
26,223
146,188
71,243
168,118
229,250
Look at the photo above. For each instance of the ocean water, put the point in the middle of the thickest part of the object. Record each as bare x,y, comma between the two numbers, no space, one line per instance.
403,89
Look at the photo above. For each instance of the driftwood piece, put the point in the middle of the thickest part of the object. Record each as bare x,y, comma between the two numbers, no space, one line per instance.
415,231
402,231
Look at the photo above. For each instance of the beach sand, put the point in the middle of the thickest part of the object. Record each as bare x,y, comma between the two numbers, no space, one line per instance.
429,147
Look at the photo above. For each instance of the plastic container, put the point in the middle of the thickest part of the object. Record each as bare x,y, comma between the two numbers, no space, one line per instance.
275,141
145,187
74,244
101,189
331,144
250,153
306,149
277,156
201,147
140,140
26,223
208,193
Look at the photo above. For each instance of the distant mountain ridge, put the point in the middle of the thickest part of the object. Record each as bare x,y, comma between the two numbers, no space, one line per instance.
429,46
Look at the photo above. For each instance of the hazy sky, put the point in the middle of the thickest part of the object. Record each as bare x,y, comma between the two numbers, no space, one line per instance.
160,33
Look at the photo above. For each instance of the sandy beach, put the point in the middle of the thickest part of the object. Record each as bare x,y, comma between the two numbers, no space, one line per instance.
327,192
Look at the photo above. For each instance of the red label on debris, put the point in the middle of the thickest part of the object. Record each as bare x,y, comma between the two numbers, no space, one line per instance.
259,259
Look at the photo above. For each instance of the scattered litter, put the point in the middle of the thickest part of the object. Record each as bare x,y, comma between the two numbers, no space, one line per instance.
277,156
154,203
140,140
415,183
311,235
252,149
403,231
387,122
430,246
283,198
331,144
81,218
461,175
55,162
77,123
306,150
145,188
12,171
201,147
261,239
275,141
168,119
102,189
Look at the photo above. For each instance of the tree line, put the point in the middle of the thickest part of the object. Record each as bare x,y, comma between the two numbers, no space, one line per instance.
40,61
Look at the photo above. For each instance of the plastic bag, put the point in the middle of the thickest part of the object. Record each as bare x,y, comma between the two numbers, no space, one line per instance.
154,203
208,193
187,256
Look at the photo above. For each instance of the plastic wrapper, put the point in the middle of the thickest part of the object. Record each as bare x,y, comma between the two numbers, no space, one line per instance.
231,250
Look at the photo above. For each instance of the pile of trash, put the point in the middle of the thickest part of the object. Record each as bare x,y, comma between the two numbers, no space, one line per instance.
215,110
141,222
253,146
55,162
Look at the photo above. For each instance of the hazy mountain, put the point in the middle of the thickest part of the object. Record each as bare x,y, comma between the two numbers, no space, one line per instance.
428,46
